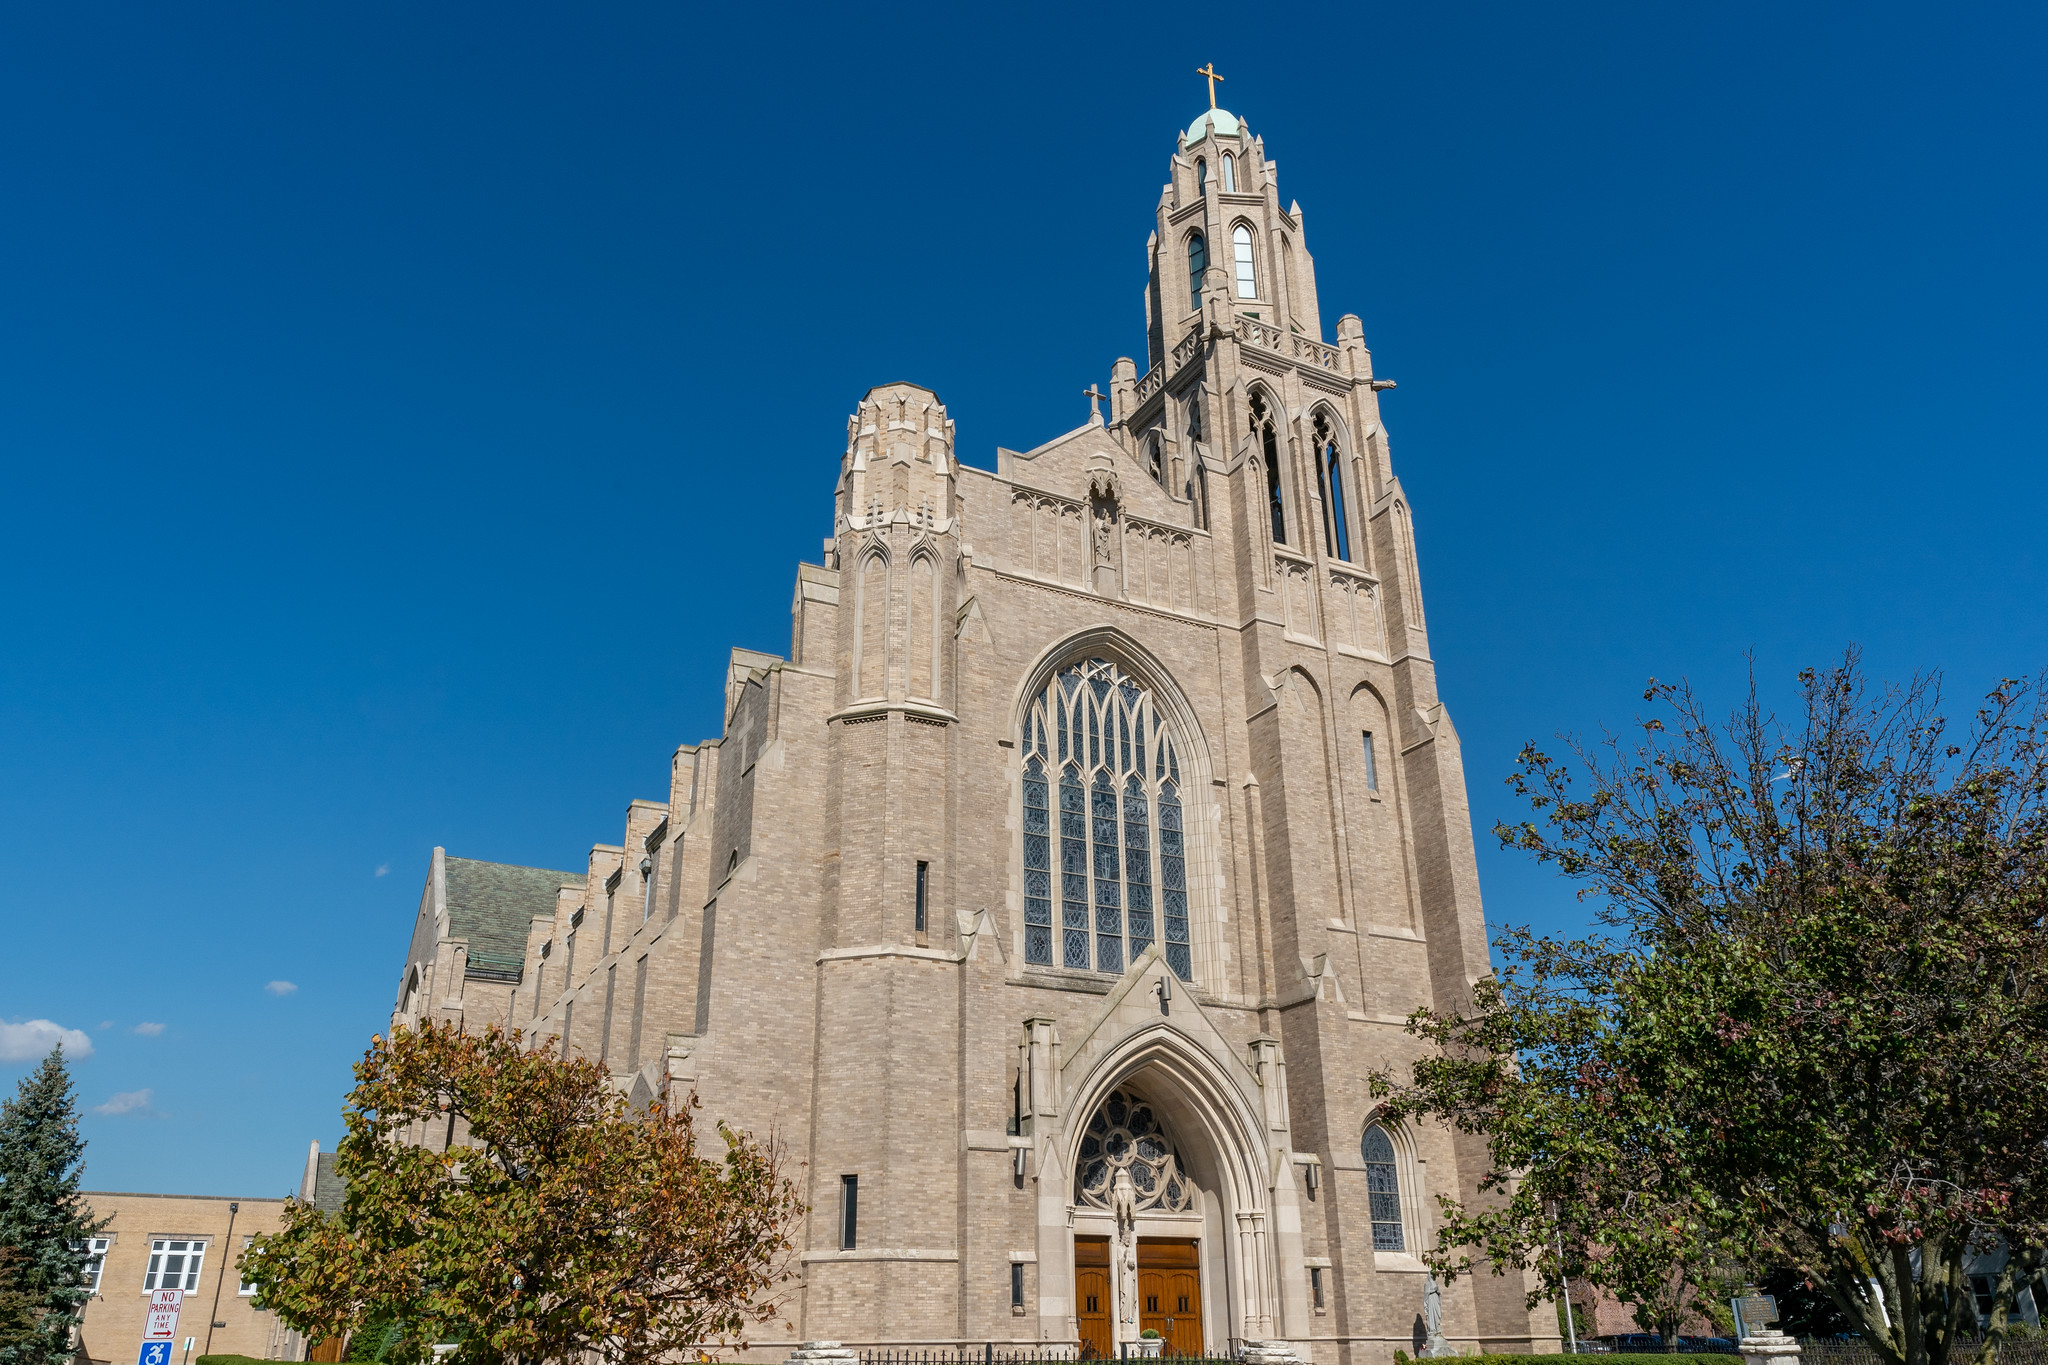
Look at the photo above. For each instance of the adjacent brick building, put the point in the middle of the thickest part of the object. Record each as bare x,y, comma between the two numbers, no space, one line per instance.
186,1242
1058,893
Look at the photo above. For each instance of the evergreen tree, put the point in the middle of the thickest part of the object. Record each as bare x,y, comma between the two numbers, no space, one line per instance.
42,1218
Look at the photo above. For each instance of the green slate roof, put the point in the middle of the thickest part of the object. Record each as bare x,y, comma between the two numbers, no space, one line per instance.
493,905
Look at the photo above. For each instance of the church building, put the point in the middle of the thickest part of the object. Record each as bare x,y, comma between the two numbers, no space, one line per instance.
1054,899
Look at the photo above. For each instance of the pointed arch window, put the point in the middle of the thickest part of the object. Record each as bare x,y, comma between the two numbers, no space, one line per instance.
1155,459
1122,864
1241,247
1201,176
1383,1191
1330,471
1198,264
1229,174
1269,453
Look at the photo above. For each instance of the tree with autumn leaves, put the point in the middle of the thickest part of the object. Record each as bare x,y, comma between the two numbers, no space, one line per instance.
1812,1032
505,1199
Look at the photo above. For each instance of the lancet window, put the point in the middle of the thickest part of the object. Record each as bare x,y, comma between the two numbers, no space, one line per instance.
1201,176
1241,247
1104,836
1198,263
1383,1191
1125,1135
1229,174
1269,453
1330,470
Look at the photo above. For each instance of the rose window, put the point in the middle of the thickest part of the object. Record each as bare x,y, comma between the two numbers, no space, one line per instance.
1125,1135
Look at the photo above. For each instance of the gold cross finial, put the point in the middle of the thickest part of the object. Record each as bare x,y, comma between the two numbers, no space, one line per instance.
1210,72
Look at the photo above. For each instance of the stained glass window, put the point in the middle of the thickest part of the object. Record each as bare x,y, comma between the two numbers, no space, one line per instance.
1122,855
1383,1191
1037,866
1125,1135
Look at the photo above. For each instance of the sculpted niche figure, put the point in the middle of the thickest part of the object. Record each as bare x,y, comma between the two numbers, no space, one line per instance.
1123,1202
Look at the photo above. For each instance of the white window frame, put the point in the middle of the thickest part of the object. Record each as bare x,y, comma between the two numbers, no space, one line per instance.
194,1250
244,1289
96,1268
1244,260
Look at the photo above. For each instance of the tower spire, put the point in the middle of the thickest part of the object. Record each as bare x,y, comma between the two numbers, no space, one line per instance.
1210,71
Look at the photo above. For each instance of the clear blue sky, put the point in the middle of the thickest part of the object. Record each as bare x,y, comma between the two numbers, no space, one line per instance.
379,385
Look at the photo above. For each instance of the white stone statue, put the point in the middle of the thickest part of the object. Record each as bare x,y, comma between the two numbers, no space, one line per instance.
1123,1203
1433,1320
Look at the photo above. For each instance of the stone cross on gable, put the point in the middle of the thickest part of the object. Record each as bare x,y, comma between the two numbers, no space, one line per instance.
1094,400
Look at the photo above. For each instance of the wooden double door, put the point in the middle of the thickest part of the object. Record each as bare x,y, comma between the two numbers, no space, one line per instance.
1169,1294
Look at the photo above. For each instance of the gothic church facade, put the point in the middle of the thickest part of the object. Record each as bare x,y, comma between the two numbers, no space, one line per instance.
1055,897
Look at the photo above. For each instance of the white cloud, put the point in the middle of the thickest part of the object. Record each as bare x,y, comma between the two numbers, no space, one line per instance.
149,1030
33,1040
280,988
383,869
128,1102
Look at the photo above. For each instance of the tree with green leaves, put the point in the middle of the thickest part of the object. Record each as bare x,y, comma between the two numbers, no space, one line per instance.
1812,1032
505,1200
44,1222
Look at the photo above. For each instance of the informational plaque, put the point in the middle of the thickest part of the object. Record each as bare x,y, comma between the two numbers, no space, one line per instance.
1752,1312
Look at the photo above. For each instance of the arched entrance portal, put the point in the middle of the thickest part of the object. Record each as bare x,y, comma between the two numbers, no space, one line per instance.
1162,1149
1144,1274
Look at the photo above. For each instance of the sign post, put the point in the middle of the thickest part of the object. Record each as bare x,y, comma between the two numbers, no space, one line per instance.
162,1323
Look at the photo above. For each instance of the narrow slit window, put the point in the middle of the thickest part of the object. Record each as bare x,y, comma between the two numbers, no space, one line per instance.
1229,174
1241,247
1201,177
1372,767
924,881
1198,264
1016,1284
1315,1286
849,1211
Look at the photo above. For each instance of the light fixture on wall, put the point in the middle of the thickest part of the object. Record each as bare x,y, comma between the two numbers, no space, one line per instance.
1164,990
1311,1178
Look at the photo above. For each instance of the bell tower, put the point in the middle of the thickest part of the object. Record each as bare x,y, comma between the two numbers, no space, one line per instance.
1223,246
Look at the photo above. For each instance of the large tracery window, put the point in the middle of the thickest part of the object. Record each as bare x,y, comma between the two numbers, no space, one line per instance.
1125,1135
1095,740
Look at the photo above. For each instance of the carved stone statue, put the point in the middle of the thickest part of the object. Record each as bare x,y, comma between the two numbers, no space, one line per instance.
1104,540
1433,1320
1123,1203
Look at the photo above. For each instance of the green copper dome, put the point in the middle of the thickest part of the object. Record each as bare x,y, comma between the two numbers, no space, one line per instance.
1221,121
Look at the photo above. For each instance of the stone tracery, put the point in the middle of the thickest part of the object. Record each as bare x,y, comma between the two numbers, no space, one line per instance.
1124,1139
1097,736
